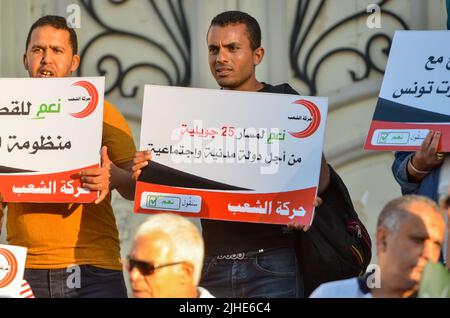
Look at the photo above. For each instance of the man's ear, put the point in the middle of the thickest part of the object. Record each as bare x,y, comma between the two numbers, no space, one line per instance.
75,63
25,62
258,56
382,239
187,273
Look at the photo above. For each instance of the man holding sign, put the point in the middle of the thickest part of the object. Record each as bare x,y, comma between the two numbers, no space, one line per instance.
412,115
73,249
243,259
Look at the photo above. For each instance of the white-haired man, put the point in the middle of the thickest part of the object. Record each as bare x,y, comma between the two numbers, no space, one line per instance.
167,258
410,232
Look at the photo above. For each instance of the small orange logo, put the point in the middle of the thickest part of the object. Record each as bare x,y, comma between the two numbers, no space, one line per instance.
10,265
92,105
315,123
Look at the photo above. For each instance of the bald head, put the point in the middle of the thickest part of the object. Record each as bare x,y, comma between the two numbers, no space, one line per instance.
395,211
410,233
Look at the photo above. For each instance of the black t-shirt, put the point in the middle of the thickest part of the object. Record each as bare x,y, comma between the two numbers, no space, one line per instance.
226,237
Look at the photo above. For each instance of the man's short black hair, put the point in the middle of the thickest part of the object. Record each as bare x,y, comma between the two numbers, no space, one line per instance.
58,23
238,17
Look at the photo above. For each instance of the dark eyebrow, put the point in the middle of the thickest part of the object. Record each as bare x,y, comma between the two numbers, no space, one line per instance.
228,45
232,44
424,237
37,47
53,47
57,47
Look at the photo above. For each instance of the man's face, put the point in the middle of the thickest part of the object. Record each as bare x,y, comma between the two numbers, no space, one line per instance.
49,53
164,282
404,254
231,59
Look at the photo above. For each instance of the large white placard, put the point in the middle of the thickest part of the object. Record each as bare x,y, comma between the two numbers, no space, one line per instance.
415,95
239,156
50,130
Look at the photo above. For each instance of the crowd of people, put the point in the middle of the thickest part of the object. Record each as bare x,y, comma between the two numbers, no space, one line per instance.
171,258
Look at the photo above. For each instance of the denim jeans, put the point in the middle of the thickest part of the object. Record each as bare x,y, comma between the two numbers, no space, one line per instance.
83,281
273,273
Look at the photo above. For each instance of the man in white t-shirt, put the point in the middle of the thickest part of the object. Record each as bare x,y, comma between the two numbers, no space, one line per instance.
410,232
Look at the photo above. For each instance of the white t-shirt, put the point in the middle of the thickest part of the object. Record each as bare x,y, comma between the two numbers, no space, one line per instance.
348,288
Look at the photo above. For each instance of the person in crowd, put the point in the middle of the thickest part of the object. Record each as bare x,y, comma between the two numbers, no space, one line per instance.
61,236
166,259
410,233
246,259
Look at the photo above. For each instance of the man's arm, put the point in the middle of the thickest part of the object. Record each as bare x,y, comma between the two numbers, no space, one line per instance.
109,177
2,213
324,179
141,160
424,160
411,168
122,180
400,171
98,179
118,138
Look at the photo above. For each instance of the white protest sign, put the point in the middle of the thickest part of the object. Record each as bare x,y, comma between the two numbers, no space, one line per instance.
50,130
238,156
415,95
12,266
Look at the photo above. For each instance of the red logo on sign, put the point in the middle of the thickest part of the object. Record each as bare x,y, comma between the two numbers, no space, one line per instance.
315,123
12,267
92,105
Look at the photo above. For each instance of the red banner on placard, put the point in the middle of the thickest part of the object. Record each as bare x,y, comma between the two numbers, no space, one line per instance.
405,128
275,208
56,188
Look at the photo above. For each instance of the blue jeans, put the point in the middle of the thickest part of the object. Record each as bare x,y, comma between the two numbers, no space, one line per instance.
84,281
273,273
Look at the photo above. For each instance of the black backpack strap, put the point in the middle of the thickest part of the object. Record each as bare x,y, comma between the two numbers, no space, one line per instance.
337,246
